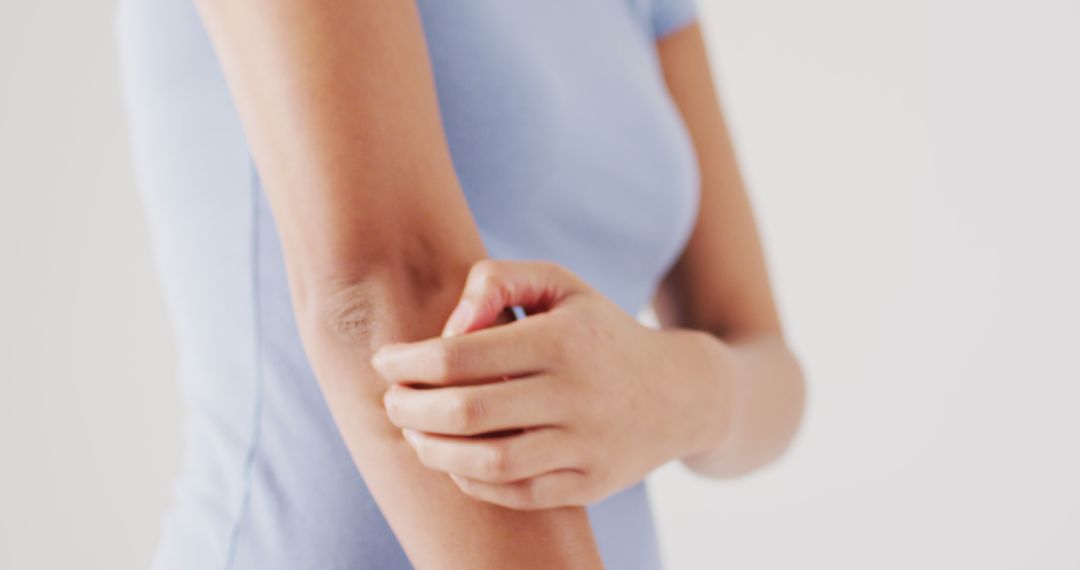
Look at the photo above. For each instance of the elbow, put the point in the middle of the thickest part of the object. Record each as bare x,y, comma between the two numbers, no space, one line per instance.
381,302
352,287
338,304
350,309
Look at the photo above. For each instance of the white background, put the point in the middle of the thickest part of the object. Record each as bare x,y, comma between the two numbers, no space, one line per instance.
915,168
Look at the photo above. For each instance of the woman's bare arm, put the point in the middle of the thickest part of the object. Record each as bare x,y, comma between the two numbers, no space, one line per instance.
338,104
721,284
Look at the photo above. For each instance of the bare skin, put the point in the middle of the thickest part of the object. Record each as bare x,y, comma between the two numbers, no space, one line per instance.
595,400
720,284
338,104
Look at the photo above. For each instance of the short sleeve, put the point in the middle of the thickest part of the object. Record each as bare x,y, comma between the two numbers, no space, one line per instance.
671,15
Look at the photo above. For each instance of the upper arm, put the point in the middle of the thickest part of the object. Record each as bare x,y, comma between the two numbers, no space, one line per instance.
720,283
338,102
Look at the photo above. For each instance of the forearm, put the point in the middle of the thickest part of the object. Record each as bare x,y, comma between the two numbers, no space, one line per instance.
754,406
753,387
440,526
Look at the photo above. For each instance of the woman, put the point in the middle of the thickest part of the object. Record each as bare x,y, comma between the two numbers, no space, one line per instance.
327,179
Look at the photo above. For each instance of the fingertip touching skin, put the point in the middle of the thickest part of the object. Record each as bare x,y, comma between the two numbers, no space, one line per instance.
595,402
464,358
489,290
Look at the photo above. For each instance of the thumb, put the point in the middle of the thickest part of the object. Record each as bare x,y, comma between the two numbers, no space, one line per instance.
496,285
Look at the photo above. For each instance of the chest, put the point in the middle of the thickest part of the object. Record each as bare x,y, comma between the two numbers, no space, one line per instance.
563,136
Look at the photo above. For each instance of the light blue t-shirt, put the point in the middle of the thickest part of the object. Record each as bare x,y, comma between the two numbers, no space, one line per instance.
568,147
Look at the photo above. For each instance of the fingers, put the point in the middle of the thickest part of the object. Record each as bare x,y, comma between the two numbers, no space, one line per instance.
554,489
498,459
515,349
471,410
495,285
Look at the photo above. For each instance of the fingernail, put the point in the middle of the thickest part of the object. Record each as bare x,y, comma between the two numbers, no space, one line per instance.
459,319
411,436
388,405
378,359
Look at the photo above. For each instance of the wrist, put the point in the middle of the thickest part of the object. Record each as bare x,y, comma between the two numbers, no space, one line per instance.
708,366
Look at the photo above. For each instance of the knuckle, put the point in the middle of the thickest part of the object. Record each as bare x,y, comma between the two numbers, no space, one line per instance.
466,412
448,360
560,272
488,279
484,265
557,269
491,284
497,463
484,271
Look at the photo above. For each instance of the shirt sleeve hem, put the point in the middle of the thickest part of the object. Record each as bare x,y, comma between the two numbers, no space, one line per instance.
672,22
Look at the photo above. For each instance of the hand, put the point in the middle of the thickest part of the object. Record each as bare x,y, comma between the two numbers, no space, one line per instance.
564,407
